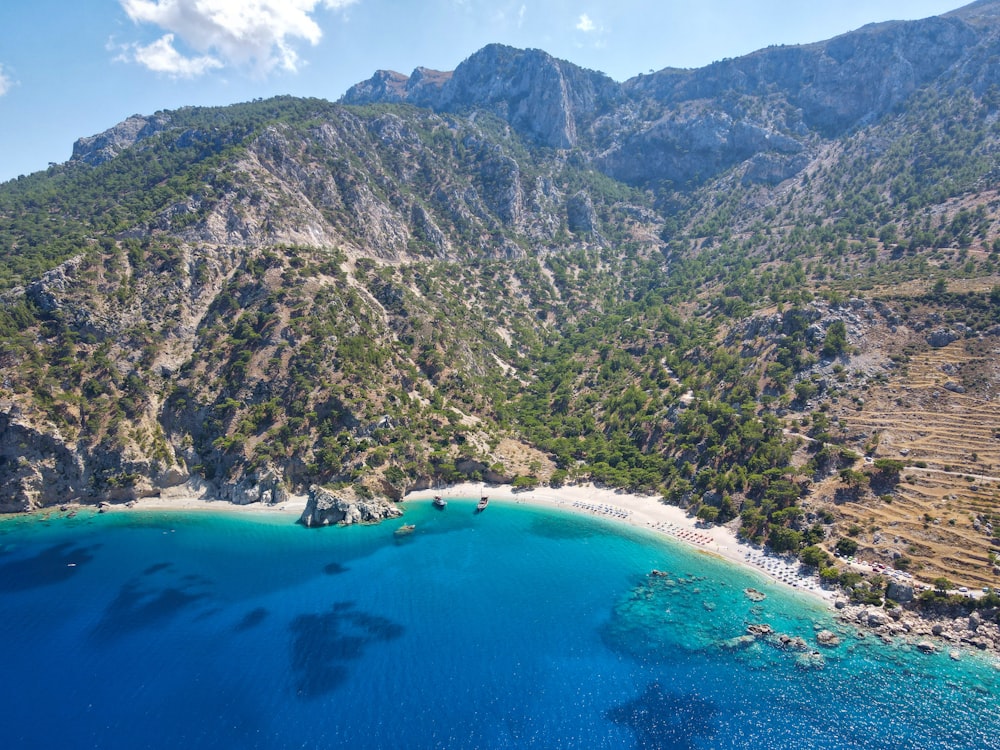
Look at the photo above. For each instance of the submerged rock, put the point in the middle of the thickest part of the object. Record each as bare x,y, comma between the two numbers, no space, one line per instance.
810,660
754,595
740,641
791,642
827,638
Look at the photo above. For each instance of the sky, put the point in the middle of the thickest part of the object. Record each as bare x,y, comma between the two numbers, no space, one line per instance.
72,68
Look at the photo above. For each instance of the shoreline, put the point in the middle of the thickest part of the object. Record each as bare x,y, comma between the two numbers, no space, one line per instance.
639,511
181,500
650,513
644,512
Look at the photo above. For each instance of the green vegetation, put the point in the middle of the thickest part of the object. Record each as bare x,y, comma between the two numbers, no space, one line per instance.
444,301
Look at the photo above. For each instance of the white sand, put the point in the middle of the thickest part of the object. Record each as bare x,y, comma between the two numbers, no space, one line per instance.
183,498
650,513
641,511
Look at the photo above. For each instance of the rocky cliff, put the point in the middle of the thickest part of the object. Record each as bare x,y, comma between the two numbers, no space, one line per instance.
684,126
551,101
325,508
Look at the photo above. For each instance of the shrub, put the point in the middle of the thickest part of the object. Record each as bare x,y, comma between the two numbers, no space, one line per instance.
846,547
814,556
708,513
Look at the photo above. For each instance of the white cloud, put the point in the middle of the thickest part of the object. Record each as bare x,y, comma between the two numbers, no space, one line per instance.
5,82
162,57
585,24
258,34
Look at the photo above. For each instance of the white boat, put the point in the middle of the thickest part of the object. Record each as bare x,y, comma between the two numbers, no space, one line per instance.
439,502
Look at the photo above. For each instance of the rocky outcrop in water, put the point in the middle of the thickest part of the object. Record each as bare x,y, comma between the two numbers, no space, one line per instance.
323,508
827,638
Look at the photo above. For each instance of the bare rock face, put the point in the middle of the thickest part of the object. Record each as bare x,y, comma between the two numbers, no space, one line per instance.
550,100
323,508
97,149
503,191
263,487
580,214
36,468
49,289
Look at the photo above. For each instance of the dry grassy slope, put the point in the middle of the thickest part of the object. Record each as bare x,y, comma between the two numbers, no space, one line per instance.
954,438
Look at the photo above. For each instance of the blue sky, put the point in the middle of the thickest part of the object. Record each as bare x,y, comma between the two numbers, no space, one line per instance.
71,68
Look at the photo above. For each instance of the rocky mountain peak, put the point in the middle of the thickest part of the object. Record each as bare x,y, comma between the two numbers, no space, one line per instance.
684,126
383,86
549,100
981,11
103,147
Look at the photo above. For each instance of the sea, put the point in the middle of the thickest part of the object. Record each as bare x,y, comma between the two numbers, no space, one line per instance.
520,627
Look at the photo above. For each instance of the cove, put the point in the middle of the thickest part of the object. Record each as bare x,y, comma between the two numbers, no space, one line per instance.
518,627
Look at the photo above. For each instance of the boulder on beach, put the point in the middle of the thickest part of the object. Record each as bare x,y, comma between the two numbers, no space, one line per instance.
876,618
899,591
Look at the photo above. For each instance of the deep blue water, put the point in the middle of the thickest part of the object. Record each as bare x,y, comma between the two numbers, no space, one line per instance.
519,627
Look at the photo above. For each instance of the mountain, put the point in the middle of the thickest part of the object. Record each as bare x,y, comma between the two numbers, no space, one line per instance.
728,285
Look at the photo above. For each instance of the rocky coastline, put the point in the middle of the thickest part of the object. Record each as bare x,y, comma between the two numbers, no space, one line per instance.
928,632
325,508
952,630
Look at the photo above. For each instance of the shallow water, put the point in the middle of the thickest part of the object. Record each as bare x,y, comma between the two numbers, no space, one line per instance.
518,627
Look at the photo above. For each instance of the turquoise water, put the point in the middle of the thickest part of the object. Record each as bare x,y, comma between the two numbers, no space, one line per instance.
519,627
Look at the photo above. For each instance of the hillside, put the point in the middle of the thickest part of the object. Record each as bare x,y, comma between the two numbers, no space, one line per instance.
767,289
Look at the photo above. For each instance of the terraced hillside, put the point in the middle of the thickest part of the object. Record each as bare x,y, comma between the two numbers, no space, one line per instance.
938,414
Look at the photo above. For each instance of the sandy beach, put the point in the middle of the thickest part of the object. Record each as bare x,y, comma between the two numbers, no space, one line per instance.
182,498
646,512
637,510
